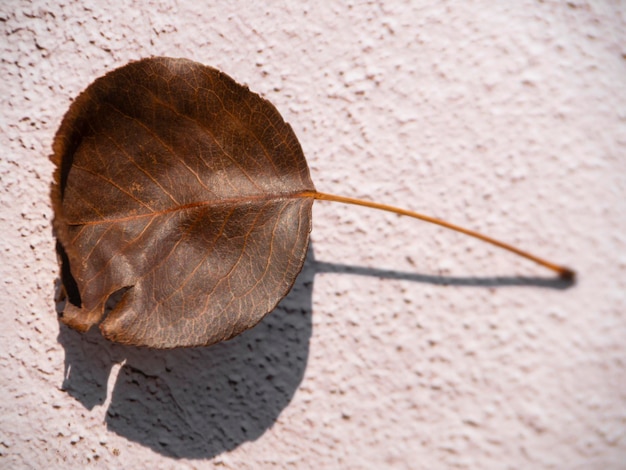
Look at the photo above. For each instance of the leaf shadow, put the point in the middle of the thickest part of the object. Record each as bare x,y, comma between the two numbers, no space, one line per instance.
198,403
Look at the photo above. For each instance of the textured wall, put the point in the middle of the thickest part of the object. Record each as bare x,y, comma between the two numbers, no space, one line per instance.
402,345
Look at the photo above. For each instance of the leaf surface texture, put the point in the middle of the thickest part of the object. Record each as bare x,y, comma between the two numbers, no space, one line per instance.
184,187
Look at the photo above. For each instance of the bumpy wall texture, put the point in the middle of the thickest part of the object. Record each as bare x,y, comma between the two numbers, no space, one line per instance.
402,345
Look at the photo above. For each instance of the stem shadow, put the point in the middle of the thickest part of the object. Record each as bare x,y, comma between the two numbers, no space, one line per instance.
494,281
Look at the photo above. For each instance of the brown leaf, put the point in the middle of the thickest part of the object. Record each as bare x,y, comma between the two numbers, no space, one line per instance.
179,184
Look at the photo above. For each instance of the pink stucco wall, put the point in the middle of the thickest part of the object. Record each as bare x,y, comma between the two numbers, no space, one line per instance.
402,345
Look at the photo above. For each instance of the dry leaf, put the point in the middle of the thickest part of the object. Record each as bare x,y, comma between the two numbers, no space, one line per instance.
190,194
178,183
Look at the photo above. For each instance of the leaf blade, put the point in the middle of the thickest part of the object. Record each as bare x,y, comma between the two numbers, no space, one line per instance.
159,191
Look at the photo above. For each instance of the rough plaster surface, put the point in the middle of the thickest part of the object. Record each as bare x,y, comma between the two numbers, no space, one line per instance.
402,345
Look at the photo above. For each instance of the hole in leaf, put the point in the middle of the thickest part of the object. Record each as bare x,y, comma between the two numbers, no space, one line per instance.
114,299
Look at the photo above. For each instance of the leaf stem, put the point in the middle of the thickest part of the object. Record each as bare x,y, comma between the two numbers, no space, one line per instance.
562,271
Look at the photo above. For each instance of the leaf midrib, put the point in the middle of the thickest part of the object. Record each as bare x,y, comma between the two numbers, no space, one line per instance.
237,201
